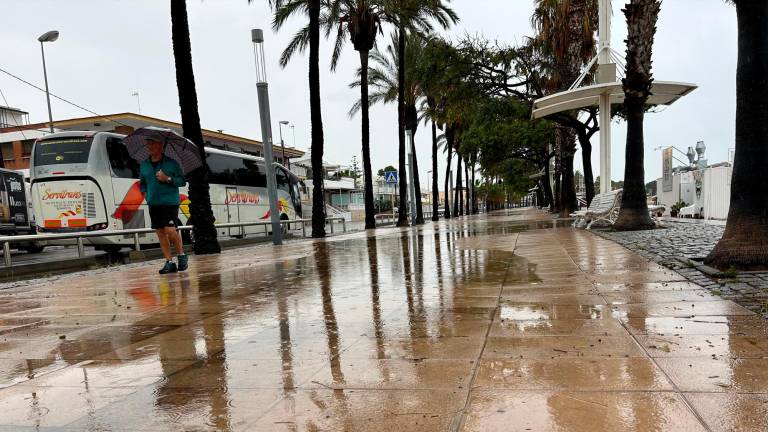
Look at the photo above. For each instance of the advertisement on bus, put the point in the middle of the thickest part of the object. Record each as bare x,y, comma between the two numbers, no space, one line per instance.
13,201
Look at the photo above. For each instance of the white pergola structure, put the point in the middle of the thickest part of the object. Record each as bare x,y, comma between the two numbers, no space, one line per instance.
606,92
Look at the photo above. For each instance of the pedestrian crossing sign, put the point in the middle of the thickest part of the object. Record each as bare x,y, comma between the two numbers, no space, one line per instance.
390,177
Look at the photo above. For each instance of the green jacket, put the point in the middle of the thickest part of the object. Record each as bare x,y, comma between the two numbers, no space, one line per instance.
161,193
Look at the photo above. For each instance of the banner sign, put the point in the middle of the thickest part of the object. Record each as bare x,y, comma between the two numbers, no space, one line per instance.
666,169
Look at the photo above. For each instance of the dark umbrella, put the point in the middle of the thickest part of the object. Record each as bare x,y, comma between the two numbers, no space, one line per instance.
175,146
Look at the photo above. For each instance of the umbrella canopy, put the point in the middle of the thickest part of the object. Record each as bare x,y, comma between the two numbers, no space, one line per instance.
175,146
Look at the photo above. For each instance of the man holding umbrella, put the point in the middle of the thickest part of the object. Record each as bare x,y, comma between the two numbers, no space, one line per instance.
160,178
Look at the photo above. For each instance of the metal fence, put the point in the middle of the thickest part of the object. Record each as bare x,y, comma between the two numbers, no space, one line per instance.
8,240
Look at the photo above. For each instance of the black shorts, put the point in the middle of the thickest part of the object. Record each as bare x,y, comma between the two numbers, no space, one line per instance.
162,216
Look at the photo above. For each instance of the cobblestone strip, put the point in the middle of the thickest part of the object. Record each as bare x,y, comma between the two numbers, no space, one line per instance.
682,246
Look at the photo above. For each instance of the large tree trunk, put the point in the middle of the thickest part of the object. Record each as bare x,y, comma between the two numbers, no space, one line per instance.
586,160
569,202
202,218
402,218
318,192
370,210
743,245
435,191
449,135
641,24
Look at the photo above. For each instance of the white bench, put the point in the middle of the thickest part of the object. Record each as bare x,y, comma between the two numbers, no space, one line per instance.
690,211
604,208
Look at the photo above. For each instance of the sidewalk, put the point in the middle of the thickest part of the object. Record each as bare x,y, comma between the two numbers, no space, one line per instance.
489,323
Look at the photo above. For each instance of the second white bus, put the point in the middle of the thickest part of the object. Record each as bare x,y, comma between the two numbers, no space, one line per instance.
86,181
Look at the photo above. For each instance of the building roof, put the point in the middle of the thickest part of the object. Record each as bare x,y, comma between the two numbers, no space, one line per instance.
137,120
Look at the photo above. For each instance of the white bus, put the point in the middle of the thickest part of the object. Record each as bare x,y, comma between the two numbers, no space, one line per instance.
86,181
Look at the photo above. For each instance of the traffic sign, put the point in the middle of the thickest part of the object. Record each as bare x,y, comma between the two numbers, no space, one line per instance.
390,177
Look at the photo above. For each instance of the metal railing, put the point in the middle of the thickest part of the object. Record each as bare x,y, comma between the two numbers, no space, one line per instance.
79,236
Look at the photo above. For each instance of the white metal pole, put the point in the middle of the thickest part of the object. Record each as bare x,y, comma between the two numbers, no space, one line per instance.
47,93
450,191
257,36
411,184
604,58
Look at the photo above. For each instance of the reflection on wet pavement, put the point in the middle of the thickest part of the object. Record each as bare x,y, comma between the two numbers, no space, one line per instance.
498,322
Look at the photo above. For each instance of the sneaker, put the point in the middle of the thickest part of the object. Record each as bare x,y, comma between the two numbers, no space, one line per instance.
183,262
169,267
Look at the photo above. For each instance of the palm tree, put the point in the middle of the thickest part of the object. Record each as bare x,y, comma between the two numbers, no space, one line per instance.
566,36
308,36
383,78
362,19
642,16
409,16
202,218
746,232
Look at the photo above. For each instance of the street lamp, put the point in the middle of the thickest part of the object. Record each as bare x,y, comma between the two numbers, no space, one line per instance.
262,88
282,143
50,36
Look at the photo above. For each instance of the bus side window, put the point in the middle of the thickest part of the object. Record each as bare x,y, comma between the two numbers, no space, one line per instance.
254,174
282,180
223,169
123,165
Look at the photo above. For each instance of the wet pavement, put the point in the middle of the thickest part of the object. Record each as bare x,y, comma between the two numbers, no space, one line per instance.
499,322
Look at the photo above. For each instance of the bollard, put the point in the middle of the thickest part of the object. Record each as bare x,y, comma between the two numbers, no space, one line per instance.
7,253
344,225
136,244
331,222
80,247
303,229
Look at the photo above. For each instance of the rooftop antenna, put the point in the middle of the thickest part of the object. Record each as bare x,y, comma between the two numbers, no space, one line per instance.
138,100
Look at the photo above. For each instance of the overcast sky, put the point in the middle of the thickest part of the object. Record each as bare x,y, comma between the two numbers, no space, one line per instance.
109,49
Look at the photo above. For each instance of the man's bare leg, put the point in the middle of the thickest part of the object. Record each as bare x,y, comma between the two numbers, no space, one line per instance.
165,246
173,236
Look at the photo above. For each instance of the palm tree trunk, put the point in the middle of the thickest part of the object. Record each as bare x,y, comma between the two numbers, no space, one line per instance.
318,192
449,135
642,16
458,203
402,218
370,211
412,121
634,206
466,188
746,232
435,191
202,218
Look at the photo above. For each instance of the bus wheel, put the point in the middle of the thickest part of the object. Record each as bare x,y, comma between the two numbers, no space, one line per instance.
33,248
111,249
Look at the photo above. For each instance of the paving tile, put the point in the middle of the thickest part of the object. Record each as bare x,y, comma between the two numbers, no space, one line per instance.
578,374
515,410
731,412
364,410
562,346
721,374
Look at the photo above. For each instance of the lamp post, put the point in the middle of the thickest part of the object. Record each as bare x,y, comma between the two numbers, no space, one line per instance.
49,36
282,143
262,88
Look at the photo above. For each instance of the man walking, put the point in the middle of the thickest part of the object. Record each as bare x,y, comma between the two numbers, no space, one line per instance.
160,178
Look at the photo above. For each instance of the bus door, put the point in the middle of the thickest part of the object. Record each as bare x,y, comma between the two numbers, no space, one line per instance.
233,211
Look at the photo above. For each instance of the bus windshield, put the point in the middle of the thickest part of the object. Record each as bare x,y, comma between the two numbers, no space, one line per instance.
58,151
